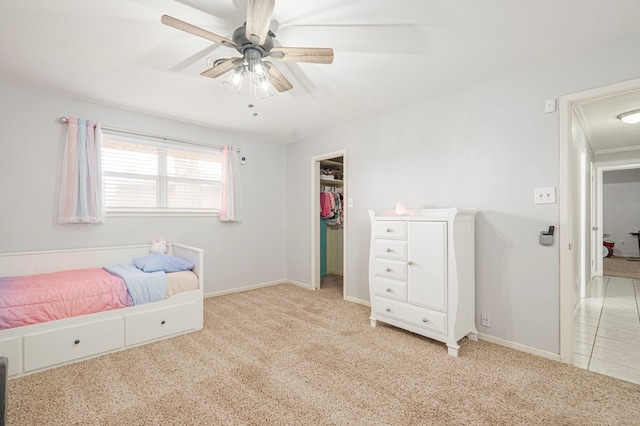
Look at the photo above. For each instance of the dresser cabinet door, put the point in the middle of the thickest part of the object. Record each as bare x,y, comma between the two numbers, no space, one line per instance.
427,264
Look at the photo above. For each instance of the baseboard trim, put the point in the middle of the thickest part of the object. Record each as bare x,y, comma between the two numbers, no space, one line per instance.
245,288
519,347
358,301
299,284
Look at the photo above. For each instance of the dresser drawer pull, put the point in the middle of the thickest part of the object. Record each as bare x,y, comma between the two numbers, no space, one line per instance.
388,309
389,230
388,269
76,342
162,322
425,320
388,290
389,250
410,263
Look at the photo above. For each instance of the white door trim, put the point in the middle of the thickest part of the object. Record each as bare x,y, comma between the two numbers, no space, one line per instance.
315,218
566,175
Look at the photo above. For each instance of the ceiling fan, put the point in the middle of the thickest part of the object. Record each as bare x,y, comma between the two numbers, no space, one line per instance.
254,41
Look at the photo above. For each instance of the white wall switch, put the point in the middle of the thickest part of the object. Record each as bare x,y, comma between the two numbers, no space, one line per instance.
350,202
545,195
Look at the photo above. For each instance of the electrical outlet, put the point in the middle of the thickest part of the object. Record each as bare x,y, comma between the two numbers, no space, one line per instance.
485,320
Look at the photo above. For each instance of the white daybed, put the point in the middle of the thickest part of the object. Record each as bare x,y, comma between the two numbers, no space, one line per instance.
38,347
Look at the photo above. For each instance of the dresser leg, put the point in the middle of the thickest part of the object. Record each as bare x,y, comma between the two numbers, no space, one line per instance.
453,349
373,322
473,336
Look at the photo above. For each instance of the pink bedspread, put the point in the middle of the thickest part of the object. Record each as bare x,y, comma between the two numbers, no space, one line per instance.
46,297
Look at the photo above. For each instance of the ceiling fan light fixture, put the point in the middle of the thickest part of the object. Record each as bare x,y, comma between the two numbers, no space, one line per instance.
262,87
254,60
234,81
630,117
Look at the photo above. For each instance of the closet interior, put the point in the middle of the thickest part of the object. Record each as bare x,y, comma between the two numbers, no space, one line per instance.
331,220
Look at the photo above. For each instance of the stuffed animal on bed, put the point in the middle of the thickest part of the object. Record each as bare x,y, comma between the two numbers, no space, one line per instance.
158,246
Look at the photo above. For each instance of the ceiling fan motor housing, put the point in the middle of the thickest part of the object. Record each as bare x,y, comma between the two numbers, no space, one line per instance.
243,43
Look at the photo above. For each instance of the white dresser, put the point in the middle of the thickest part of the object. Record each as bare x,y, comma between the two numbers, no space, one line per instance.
422,275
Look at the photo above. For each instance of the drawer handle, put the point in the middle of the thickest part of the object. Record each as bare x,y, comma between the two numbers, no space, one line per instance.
388,290
162,322
388,269
410,263
76,342
388,309
389,230
425,320
389,250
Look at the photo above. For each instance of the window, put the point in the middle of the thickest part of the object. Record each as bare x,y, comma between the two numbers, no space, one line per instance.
141,176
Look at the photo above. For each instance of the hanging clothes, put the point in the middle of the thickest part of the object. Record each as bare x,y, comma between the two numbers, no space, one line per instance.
332,206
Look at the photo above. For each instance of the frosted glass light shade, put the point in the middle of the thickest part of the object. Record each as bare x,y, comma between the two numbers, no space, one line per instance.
631,117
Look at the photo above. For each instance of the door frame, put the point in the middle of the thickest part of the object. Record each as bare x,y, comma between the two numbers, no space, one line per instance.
600,202
567,174
315,218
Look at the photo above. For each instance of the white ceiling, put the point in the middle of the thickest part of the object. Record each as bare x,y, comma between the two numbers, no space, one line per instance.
606,133
387,53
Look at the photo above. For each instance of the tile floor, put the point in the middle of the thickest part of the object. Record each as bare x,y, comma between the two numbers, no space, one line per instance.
607,328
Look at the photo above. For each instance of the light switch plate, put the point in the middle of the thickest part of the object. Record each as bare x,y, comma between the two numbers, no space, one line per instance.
545,195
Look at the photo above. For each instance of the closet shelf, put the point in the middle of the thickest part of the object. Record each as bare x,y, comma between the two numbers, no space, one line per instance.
331,163
330,182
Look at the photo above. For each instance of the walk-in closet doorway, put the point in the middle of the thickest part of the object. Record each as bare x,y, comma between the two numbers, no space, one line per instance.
329,220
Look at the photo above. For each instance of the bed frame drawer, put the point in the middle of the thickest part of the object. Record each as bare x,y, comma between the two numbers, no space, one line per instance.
153,325
12,349
72,343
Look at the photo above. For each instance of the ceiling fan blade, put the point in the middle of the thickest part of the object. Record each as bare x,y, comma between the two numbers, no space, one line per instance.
277,79
258,20
192,29
184,64
314,55
221,68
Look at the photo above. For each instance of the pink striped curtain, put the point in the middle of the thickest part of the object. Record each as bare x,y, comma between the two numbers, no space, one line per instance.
81,180
230,202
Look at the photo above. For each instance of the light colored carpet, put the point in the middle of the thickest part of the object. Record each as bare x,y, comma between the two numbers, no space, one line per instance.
616,266
286,355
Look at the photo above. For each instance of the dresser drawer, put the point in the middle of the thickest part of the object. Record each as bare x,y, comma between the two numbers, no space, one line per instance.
392,289
391,269
153,325
67,344
396,230
418,317
391,249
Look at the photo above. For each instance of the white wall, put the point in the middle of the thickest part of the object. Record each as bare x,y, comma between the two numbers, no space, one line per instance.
31,140
487,147
621,209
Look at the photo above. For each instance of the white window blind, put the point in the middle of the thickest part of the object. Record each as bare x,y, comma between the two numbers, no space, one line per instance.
143,176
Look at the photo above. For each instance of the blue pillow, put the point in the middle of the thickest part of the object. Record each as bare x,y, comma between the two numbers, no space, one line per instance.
162,262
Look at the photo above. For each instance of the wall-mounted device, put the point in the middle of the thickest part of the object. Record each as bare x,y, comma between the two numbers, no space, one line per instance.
546,237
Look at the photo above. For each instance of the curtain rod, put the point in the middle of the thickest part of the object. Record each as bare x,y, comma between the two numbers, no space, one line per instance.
65,120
